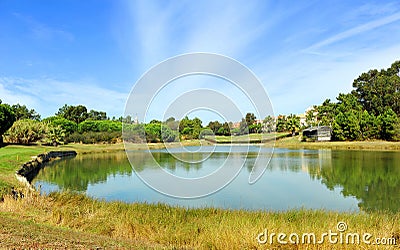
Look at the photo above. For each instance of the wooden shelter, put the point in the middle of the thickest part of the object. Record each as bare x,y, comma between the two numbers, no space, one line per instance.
322,133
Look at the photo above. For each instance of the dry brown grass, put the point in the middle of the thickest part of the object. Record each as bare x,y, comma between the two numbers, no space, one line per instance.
159,225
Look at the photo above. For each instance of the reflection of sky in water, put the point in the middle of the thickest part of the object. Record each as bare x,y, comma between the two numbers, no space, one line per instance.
276,190
292,180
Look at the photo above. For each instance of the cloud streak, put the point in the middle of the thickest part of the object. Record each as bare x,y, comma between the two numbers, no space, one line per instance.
302,52
47,95
354,31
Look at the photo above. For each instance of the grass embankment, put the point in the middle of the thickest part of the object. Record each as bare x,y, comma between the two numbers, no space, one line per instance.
13,156
377,145
249,138
146,225
75,221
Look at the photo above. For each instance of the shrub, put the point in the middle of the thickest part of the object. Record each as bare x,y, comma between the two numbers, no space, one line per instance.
69,126
28,131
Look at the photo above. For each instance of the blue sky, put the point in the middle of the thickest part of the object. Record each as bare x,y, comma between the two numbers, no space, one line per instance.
93,52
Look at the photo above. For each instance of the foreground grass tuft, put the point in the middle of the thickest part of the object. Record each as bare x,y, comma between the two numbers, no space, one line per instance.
160,225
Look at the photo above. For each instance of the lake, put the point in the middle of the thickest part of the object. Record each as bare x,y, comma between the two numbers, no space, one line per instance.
295,178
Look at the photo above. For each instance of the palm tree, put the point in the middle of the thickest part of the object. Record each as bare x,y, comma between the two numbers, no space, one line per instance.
293,123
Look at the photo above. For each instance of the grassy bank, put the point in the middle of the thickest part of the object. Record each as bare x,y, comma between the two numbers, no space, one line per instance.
283,140
13,156
160,225
377,145
63,220
250,138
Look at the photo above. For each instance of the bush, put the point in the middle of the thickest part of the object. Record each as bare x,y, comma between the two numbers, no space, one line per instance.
95,137
99,126
7,119
134,133
69,126
28,131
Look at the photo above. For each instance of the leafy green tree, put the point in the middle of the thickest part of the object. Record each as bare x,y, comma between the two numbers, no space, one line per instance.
311,117
127,119
190,129
269,124
155,121
224,129
26,131
243,127
378,90
7,119
326,113
99,126
337,129
184,123
370,126
167,134
68,126
255,128
292,124
134,133
63,110
73,113
153,132
227,129
348,118
214,126
172,124
170,119
96,115
206,132
250,119
390,125
54,135
281,123
371,111
22,112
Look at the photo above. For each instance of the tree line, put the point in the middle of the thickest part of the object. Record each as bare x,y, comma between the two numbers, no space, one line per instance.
76,124
370,111
21,125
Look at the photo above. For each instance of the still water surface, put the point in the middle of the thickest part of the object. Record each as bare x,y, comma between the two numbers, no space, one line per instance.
300,178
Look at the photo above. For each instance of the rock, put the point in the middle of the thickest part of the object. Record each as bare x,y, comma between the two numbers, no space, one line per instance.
30,169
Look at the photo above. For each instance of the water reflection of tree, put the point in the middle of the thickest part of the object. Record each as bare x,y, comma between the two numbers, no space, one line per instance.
371,177
77,173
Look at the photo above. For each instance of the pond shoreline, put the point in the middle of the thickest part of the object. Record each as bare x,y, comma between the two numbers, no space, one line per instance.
287,142
121,225
30,169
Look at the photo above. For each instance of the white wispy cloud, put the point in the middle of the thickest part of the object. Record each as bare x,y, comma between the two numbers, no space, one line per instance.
249,33
46,95
156,31
292,47
353,32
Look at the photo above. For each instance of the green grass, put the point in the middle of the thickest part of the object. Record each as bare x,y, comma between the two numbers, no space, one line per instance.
25,233
159,225
251,138
67,220
11,157
377,145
